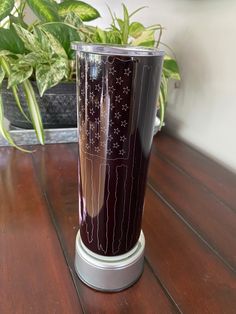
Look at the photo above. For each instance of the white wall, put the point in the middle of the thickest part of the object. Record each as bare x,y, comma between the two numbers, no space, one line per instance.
203,35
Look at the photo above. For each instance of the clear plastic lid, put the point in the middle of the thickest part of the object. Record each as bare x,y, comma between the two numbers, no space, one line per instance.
116,50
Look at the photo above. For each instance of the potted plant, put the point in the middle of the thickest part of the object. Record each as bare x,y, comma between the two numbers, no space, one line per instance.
37,66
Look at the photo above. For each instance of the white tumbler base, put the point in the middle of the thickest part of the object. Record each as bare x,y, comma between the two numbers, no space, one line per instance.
109,273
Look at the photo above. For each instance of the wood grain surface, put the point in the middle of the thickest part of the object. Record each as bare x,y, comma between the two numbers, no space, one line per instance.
189,223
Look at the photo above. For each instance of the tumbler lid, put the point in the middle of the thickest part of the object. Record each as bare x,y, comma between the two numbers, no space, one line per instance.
117,50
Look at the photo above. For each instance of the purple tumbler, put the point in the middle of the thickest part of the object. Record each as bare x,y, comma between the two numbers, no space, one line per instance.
117,89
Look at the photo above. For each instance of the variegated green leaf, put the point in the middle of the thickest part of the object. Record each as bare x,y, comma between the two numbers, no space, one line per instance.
73,19
145,39
49,75
85,11
30,59
6,7
5,53
34,110
6,68
136,29
19,73
45,10
170,68
30,40
55,44
64,33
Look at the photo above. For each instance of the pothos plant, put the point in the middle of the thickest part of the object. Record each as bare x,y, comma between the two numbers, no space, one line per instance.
42,51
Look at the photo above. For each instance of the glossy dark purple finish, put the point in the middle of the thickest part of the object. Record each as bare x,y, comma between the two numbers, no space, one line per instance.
116,110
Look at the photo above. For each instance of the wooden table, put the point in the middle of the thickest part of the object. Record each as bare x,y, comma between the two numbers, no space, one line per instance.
189,224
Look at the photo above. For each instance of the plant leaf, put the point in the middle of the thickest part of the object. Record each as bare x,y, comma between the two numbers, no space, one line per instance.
136,11
162,107
18,74
5,53
6,69
112,16
120,23
17,20
34,110
9,40
64,33
100,36
30,40
136,29
2,74
164,83
48,75
6,7
125,29
45,10
170,68
85,11
6,135
113,37
31,59
54,44
145,39
73,19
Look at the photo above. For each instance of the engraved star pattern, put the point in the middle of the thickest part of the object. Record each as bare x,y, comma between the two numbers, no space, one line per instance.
125,107
126,90
104,109
119,80
118,98
127,71
112,71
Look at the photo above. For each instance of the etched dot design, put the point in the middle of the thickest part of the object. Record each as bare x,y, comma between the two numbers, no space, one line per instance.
104,107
